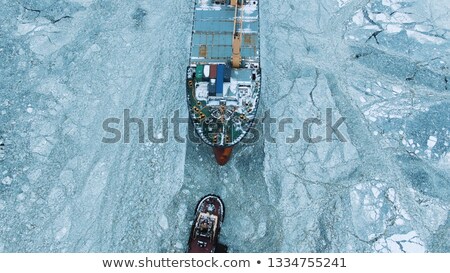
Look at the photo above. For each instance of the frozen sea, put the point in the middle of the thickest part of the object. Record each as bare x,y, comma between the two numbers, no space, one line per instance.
383,65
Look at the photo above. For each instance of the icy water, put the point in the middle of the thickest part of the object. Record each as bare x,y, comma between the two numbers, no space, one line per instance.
383,65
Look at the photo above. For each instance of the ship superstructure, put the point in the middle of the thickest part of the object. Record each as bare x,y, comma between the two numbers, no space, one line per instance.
209,215
224,77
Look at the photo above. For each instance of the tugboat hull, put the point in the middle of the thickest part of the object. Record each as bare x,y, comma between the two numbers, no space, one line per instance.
205,231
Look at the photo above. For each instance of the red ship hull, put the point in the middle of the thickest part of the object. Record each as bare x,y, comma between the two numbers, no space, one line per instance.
205,230
222,155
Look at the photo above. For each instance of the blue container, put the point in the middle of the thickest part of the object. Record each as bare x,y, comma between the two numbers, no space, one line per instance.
219,80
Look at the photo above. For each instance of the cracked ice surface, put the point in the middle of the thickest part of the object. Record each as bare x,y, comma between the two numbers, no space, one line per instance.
66,65
386,189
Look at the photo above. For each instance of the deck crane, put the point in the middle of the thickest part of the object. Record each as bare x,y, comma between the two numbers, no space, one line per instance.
236,58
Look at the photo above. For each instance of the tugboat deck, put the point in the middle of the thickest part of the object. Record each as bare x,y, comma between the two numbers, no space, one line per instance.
205,231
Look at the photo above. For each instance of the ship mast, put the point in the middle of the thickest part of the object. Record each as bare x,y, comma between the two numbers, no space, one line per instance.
236,58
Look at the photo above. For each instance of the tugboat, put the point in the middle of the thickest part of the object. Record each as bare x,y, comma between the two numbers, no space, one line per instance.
223,80
204,237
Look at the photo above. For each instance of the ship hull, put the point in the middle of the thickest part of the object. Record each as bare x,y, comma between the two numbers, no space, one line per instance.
223,97
222,155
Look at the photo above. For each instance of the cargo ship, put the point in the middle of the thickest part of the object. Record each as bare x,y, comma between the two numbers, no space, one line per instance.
223,80
209,215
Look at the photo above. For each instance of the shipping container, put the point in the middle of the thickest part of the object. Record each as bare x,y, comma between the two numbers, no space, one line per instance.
199,72
219,81
213,71
206,71
227,73
212,89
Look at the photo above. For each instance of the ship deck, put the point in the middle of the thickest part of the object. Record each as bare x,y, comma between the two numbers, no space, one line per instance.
213,31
